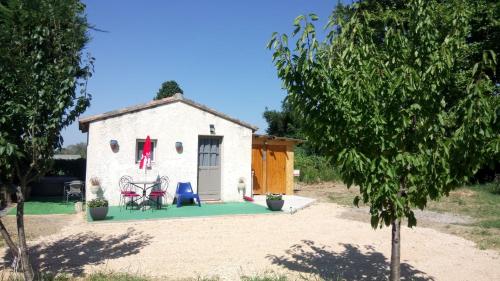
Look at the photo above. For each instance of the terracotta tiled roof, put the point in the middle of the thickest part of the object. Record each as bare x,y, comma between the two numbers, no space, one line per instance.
85,121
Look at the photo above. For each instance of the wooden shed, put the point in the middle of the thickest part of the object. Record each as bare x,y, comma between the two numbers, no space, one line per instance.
272,164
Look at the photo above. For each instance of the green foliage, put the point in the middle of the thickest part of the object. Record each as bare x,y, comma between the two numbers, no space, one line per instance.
96,203
168,89
485,34
69,168
495,223
282,123
75,149
43,76
393,98
272,196
314,168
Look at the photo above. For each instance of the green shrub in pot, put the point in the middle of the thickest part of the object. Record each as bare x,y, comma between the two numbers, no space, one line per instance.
98,208
272,196
274,202
98,202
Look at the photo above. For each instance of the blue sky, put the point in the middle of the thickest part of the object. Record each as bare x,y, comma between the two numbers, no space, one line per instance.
214,49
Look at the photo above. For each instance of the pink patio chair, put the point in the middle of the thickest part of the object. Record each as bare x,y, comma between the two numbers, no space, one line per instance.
159,192
128,194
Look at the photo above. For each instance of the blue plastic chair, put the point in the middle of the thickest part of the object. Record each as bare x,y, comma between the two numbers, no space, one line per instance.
185,191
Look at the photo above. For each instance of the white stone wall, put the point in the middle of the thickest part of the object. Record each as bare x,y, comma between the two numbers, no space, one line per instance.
167,124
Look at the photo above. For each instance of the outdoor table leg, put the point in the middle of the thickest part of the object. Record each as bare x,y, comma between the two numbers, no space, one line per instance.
144,198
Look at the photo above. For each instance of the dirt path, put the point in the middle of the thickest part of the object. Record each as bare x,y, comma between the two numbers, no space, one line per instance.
312,241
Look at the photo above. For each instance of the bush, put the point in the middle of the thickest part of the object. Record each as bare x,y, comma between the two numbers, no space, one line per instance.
314,168
96,203
272,196
69,168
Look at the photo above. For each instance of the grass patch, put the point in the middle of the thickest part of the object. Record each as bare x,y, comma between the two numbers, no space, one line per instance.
344,196
92,277
481,202
490,223
265,277
115,277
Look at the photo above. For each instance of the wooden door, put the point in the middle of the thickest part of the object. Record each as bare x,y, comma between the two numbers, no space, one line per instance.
258,169
276,169
209,172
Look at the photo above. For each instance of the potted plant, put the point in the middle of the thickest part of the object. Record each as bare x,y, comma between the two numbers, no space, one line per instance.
274,201
98,208
95,185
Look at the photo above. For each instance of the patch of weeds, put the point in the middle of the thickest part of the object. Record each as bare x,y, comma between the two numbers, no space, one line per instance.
461,202
268,276
207,279
200,278
311,277
38,277
494,223
103,276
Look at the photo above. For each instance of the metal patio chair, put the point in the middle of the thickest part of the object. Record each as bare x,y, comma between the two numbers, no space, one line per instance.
127,191
74,189
159,192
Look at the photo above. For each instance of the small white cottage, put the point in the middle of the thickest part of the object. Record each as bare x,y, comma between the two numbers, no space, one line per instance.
190,143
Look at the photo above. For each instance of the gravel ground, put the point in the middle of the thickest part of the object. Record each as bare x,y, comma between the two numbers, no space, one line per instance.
314,241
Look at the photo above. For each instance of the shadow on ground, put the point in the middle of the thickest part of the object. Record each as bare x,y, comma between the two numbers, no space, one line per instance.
70,254
349,264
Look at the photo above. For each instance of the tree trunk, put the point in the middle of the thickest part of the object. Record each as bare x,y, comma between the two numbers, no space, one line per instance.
395,251
23,247
8,240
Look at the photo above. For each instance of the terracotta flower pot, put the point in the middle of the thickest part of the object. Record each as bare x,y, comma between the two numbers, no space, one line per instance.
98,213
275,205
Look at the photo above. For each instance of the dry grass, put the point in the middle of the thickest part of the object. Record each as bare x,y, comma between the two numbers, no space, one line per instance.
480,202
113,276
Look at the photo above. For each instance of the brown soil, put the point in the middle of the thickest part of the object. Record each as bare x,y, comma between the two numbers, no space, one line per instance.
37,226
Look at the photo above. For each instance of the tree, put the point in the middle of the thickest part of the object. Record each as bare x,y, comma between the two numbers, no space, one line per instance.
43,75
282,123
77,148
393,96
168,89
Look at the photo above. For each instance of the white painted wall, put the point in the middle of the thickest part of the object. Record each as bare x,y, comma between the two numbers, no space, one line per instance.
167,124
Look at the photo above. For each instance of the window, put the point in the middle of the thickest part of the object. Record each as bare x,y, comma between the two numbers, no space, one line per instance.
139,144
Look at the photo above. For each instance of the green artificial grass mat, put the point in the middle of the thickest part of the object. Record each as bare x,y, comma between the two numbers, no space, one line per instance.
116,213
46,206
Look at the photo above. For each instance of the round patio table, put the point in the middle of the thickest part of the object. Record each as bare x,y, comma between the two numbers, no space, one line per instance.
144,186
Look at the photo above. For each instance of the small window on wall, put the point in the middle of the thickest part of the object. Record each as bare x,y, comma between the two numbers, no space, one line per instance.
139,145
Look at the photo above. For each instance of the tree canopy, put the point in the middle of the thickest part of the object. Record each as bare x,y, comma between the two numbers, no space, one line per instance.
77,148
168,89
396,97
282,123
43,74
